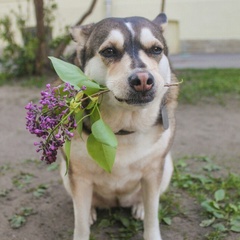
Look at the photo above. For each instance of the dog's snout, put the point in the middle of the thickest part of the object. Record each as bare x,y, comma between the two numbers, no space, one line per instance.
141,81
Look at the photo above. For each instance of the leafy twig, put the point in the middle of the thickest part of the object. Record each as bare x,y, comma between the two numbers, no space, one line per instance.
173,84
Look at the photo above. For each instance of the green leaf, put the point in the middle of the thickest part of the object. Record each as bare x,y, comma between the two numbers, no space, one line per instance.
52,167
219,195
220,227
40,190
104,223
235,229
67,152
207,205
95,116
17,221
27,211
233,207
167,220
79,121
72,74
215,205
91,87
235,221
207,222
91,104
211,167
235,224
103,133
103,154
125,221
218,215
68,72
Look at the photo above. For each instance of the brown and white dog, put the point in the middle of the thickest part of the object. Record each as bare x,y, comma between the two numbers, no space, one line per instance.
129,56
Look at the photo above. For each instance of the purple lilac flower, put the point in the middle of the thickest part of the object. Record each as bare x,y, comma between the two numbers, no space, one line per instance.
46,120
83,88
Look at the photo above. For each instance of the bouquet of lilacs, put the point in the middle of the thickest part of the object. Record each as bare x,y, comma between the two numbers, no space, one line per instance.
60,114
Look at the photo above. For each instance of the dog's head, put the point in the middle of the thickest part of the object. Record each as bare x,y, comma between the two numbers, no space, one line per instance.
128,55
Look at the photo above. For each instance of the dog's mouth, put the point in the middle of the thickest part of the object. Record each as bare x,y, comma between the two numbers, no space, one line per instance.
137,100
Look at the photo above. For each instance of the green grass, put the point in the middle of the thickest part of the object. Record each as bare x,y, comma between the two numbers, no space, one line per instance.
216,84
28,81
20,218
218,195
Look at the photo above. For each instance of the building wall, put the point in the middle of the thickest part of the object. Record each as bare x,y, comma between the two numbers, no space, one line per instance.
194,25
207,25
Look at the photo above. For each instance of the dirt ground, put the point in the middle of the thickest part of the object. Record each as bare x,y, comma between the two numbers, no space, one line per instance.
206,129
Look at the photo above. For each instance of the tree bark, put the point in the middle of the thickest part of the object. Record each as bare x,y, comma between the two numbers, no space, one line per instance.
163,6
41,57
61,47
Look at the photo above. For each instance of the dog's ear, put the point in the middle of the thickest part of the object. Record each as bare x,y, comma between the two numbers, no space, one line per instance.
161,20
80,33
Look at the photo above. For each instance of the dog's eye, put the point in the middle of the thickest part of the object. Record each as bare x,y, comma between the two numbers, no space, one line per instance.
156,50
108,52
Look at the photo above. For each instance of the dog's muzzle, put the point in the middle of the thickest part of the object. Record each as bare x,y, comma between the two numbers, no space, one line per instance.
141,88
141,81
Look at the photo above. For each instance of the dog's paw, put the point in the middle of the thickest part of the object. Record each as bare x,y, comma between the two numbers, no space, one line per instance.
93,216
138,211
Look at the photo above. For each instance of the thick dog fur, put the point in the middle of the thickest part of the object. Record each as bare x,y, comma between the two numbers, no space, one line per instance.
129,56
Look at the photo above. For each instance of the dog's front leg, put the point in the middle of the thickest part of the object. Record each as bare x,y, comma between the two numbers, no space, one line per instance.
151,194
82,200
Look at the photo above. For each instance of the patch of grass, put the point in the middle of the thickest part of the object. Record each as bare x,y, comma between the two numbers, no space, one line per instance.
4,77
22,179
28,81
40,190
32,161
215,235
4,192
208,83
34,81
219,197
19,219
169,207
117,224
53,167
4,168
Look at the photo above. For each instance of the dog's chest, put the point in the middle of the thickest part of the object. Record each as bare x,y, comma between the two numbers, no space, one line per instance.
119,182
135,155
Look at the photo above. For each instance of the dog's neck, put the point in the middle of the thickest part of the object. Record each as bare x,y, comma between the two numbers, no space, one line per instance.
161,119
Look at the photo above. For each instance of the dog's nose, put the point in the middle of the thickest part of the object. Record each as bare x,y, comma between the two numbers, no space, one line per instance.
141,81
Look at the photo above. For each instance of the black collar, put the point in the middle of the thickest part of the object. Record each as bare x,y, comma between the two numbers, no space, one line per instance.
88,131
124,132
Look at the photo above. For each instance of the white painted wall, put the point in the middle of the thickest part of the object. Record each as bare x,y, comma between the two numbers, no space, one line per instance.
197,19
206,19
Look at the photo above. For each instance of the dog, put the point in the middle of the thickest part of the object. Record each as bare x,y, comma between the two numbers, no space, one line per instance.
129,56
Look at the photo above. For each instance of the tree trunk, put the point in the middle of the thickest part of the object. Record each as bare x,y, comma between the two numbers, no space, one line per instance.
61,47
41,56
163,6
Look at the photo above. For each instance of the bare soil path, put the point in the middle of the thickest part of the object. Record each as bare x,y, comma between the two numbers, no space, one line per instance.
206,129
